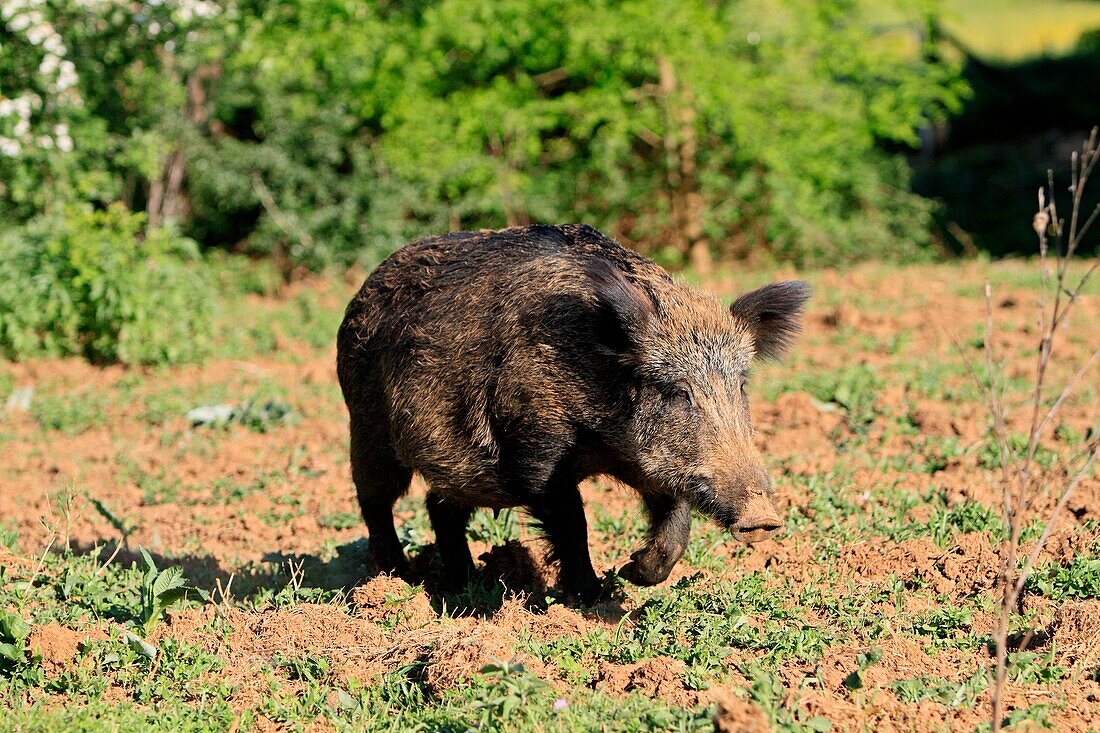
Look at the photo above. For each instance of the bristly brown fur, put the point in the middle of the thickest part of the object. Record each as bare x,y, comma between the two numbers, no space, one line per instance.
507,366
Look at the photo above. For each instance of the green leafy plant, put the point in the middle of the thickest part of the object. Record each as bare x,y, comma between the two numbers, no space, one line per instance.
854,390
495,528
1035,668
502,703
992,453
854,680
952,694
944,623
768,691
93,283
16,661
160,589
70,413
123,525
307,668
1080,578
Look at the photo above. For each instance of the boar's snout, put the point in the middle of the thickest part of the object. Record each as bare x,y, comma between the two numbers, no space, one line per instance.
758,521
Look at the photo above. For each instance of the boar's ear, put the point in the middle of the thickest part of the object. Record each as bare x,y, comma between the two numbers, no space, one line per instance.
773,314
621,306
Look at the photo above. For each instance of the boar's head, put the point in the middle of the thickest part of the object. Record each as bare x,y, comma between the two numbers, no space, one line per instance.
684,426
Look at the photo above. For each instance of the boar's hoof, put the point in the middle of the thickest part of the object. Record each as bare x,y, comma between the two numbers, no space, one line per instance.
586,595
645,569
390,564
456,580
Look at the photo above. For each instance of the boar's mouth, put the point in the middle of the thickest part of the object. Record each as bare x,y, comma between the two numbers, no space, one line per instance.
755,521
749,536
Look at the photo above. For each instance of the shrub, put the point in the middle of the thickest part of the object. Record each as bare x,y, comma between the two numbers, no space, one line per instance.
330,131
88,282
744,124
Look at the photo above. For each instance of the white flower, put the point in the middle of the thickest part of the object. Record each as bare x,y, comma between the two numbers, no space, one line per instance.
23,104
206,9
66,75
54,45
39,33
49,64
65,144
20,22
9,147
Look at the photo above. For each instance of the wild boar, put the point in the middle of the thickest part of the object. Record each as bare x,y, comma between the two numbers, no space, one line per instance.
507,366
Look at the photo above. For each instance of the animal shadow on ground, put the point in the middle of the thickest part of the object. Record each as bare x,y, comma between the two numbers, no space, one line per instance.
507,571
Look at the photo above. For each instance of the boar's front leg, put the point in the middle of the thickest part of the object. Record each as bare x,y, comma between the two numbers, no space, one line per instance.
670,523
560,511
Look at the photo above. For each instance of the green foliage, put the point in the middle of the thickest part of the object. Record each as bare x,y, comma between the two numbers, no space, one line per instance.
307,668
495,528
9,537
122,525
854,390
854,680
1080,578
769,692
505,701
329,131
969,516
341,520
69,413
944,623
17,663
990,455
80,281
952,694
478,113
1031,668
92,105
160,589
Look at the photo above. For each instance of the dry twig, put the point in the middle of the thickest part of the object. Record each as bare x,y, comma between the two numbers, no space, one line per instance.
1022,482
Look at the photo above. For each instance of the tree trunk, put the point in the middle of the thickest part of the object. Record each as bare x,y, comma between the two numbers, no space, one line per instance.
166,192
681,170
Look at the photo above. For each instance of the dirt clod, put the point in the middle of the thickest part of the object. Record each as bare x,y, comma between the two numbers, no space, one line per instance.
735,715
385,599
59,645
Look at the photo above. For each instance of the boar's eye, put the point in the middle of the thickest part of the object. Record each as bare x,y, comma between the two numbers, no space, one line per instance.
678,393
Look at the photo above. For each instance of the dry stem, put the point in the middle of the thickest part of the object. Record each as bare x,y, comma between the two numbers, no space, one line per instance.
1020,481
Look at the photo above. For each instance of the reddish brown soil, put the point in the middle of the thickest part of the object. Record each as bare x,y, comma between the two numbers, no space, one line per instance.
59,646
392,624
734,715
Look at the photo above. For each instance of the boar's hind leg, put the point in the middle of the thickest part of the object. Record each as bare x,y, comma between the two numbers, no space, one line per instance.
449,523
560,511
380,480
670,522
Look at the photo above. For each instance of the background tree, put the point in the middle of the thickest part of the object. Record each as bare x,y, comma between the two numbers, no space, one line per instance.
329,131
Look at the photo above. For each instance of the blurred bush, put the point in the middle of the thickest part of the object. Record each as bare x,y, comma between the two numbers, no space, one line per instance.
330,131
80,281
